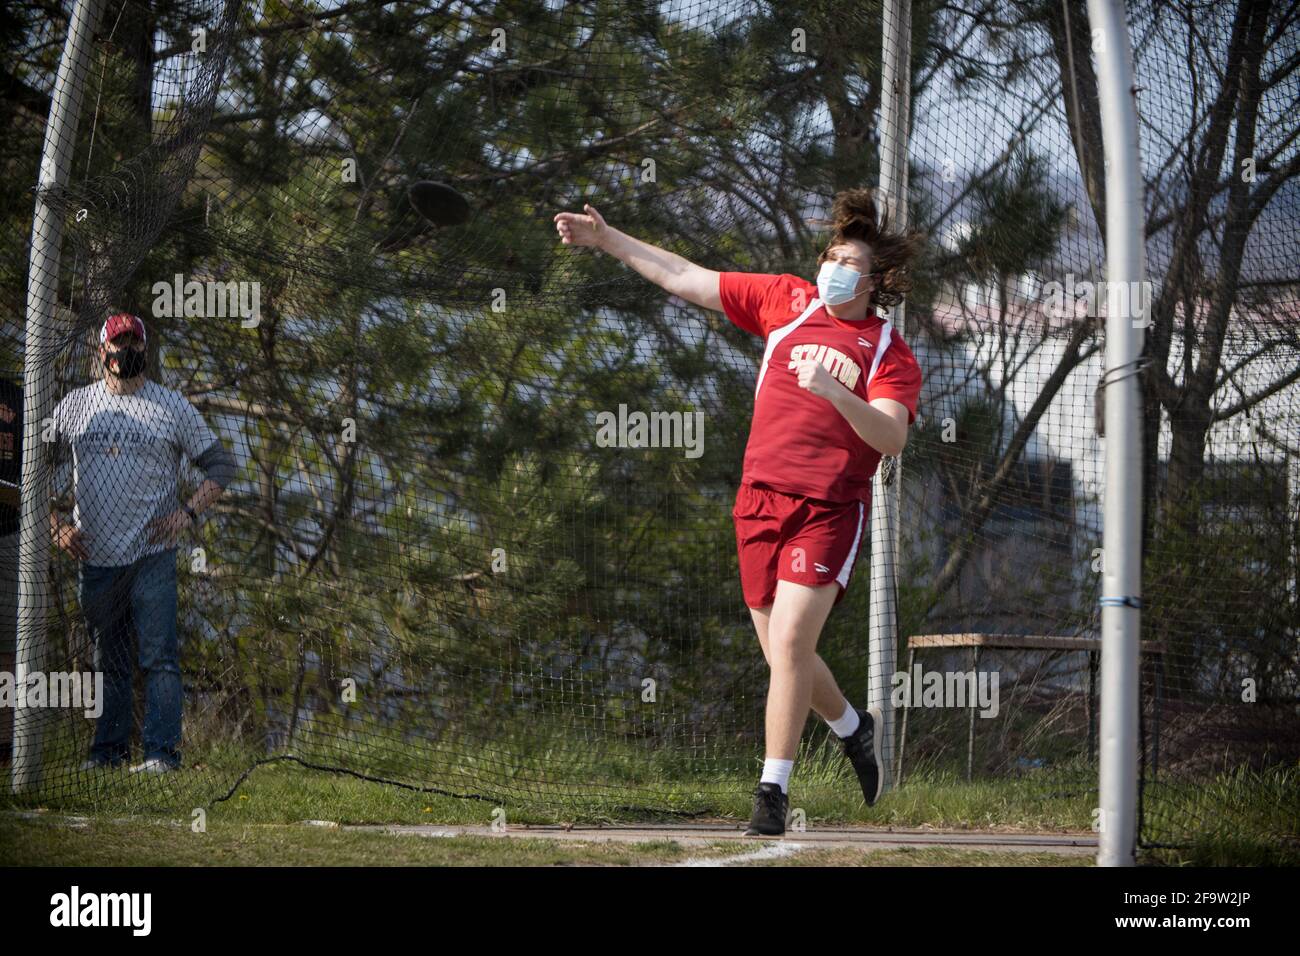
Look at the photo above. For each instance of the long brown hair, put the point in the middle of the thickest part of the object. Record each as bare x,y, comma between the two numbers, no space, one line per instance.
854,216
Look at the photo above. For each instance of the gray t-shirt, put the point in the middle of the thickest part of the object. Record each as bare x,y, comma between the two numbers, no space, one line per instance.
126,456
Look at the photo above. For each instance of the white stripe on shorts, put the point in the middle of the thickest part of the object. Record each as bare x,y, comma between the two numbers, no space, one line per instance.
842,579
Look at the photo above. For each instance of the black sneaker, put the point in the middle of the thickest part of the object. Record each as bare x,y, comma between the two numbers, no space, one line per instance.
863,751
770,806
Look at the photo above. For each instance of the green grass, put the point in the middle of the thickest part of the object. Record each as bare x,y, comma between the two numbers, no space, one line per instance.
262,824
924,856
82,842
154,843
286,792
1228,815
1243,818
91,842
1226,851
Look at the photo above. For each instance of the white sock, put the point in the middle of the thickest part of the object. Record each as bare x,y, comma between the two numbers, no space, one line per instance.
777,771
847,725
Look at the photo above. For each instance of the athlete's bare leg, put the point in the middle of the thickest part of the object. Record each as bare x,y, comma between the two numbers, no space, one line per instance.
788,631
827,698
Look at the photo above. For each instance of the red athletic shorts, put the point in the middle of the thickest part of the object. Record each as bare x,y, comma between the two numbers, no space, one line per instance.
792,538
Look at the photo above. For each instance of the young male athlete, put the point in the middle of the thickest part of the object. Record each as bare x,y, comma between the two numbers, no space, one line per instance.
837,390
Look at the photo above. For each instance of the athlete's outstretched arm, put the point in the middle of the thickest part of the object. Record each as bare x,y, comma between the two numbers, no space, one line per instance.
669,271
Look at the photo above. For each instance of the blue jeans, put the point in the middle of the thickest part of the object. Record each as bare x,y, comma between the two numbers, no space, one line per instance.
112,599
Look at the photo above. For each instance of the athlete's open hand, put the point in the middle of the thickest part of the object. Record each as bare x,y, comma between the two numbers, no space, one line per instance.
576,229
814,378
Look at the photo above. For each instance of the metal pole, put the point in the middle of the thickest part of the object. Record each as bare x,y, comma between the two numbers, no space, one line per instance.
38,382
1122,529
896,78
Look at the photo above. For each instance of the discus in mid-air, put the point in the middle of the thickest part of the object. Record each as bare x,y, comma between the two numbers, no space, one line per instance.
439,203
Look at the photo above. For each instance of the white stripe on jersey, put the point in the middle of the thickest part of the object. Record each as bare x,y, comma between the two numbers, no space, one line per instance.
775,338
886,336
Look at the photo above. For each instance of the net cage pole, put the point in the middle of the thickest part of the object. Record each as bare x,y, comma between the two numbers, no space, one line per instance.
40,348
1126,313
895,80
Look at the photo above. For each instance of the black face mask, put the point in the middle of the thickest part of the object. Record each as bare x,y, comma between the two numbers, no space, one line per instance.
130,363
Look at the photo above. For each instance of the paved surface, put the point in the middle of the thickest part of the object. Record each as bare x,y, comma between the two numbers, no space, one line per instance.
1070,844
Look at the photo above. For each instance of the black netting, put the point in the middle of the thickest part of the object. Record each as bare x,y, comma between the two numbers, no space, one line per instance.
428,571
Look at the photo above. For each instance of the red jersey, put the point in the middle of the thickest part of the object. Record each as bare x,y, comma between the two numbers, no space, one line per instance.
799,443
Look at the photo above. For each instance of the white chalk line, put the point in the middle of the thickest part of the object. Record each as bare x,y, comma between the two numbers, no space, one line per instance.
771,851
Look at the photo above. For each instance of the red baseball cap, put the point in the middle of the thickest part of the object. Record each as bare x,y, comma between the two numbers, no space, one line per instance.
118,324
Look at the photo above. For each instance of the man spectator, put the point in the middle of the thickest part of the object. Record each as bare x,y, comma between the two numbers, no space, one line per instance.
128,435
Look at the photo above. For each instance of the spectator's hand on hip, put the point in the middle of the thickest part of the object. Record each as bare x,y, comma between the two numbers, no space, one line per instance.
72,540
168,528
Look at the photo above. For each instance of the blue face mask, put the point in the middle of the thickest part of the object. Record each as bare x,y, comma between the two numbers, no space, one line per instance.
835,283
